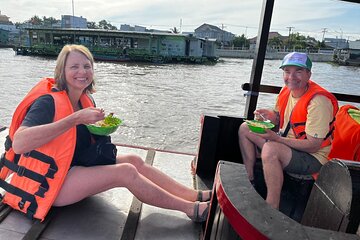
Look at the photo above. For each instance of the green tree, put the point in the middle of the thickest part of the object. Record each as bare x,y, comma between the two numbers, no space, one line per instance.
174,30
49,21
92,25
103,24
241,41
35,20
275,42
321,44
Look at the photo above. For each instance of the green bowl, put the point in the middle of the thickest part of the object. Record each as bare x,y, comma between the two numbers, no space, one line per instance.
102,130
259,126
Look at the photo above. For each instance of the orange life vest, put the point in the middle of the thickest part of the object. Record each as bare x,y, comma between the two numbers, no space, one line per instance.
39,174
298,115
346,144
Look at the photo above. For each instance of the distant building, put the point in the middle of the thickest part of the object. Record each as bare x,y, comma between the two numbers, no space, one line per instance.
350,55
69,21
8,27
4,37
9,33
336,43
354,44
271,35
158,31
6,24
136,28
214,32
188,33
4,18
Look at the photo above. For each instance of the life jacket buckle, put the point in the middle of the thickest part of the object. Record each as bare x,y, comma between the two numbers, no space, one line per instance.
20,171
41,191
21,204
2,160
51,172
8,143
27,154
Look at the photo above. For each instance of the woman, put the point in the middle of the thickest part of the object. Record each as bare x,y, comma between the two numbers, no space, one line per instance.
74,74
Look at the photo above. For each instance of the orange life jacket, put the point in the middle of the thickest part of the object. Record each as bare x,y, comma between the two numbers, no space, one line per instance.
298,115
39,174
346,144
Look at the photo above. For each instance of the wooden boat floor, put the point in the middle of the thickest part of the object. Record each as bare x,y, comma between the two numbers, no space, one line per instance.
103,216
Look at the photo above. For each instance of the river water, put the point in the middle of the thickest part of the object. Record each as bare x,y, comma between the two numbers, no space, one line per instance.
161,104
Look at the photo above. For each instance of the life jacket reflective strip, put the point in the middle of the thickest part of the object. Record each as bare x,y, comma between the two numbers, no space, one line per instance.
298,115
346,144
28,192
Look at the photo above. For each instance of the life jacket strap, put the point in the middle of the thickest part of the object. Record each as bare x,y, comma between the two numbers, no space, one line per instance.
299,124
25,197
8,146
22,171
46,159
332,128
8,143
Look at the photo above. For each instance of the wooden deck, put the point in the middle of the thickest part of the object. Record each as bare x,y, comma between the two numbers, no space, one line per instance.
114,214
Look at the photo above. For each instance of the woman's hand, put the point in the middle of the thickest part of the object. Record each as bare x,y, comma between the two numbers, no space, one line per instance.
89,115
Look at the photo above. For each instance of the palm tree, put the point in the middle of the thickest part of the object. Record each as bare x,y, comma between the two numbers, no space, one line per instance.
175,30
275,43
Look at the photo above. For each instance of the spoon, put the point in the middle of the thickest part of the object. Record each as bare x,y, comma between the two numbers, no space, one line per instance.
264,118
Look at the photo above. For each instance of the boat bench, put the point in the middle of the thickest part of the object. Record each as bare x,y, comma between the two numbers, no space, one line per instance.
238,211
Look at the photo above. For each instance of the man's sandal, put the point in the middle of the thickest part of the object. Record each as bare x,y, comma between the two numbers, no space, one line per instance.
200,196
200,218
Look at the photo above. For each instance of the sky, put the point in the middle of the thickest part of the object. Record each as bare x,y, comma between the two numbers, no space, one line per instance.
315,18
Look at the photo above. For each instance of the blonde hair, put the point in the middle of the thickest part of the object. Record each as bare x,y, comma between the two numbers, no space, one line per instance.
59,75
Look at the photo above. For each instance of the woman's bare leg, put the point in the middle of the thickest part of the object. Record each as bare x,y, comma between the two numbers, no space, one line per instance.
161,179
82,182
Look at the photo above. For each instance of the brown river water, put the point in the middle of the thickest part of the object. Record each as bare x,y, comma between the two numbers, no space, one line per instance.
161,104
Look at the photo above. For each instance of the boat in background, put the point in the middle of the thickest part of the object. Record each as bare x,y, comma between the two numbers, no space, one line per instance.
349,56
114,45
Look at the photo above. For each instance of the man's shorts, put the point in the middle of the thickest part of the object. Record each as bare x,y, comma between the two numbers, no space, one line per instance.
302,163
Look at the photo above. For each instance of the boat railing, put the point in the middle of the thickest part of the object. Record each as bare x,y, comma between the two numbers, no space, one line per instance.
276,90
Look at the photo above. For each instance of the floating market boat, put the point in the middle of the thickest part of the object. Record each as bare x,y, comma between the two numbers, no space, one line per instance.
114,45
349,56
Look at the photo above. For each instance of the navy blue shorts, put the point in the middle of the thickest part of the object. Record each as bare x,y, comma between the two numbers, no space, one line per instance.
103,152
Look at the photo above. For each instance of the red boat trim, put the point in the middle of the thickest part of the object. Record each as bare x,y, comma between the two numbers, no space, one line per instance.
242,227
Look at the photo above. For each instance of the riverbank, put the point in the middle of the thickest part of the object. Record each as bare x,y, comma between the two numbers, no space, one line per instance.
249,54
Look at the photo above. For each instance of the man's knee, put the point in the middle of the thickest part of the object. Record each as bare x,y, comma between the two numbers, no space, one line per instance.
269,152
243,129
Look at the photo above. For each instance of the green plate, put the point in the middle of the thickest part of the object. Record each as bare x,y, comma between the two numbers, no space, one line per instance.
103,130
259,126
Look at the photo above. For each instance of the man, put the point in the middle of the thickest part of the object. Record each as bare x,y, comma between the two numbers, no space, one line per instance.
304,112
